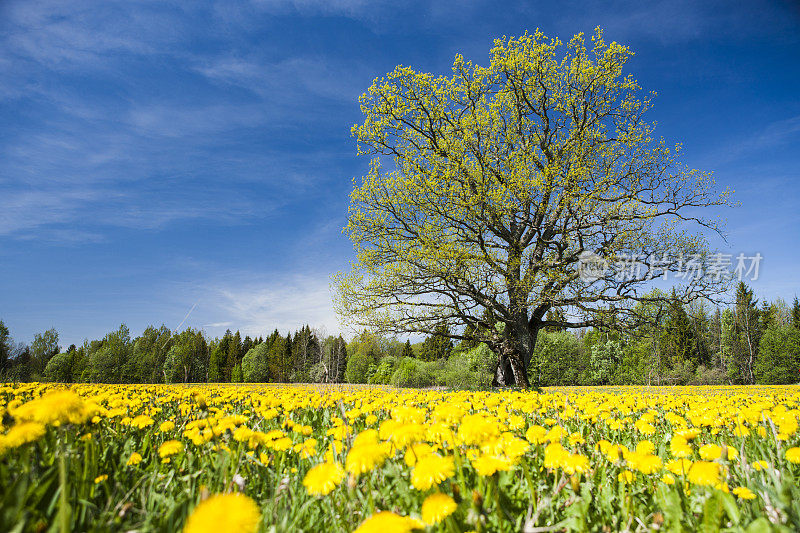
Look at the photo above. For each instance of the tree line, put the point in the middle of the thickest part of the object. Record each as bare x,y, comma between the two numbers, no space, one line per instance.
749,342
159,355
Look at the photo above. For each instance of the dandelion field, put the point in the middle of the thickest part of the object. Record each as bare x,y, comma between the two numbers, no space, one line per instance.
296,458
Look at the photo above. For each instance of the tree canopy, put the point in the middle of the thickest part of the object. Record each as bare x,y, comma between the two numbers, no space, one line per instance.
488,190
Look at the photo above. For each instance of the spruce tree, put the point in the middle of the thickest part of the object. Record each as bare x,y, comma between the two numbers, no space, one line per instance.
438,345
408,351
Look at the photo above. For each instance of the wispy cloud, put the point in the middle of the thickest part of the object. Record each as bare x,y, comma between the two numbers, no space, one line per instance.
293,77
106,149
770,136
256,304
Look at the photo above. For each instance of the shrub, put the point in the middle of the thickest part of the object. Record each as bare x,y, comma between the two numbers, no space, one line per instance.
358,365
778,358
469,370
381,373
59,368
255,368
709,376
414,373
559,358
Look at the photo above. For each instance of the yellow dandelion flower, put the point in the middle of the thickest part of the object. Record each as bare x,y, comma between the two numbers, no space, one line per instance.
169,425
388,522
431,470
535,434
417,451
141,421
134,459
744,493
626,476
437,507
576,438
100,479
793,455
366,457
54,408
575,463
704,473
224,513
323,478
486,465
169,448
679,467
554,454
645,447
22,433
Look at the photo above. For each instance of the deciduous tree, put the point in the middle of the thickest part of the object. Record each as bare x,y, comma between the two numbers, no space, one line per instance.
491,188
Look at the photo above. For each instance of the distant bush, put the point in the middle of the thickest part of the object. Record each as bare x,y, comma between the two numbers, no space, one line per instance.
381,373
778,360
358,365
255,368
411,372
681,373
468,370
709,376
560,360
59,368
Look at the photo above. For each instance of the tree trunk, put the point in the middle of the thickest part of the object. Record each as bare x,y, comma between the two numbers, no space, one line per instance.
514,356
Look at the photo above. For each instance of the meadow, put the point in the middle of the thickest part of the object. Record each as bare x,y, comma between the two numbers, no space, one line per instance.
313,458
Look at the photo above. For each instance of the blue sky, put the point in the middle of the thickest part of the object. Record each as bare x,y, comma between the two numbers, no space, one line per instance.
155,155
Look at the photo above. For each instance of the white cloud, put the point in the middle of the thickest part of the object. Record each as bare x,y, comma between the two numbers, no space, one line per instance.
289,80
256,305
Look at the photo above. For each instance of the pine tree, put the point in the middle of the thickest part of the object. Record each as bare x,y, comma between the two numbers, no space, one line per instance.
796,313
408,351
680,339
438,345
247,343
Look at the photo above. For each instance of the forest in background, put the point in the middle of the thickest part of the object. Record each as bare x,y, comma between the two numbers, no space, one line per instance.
746,343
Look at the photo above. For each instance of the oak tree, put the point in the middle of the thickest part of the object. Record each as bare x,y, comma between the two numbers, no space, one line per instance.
493,188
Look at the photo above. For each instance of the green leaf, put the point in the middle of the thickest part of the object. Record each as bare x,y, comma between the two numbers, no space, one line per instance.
731,509
670,503
759,525
712,513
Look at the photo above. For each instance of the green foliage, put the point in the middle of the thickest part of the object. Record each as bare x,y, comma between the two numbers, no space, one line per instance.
473,369
236,373
358,365
438,345
634,366
778,361
106,363
680,338
5,349
381,373
59,368
149,355
43,347
187,359
408,351
559,359
603,360
216,365
255,364
411,372
795,313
